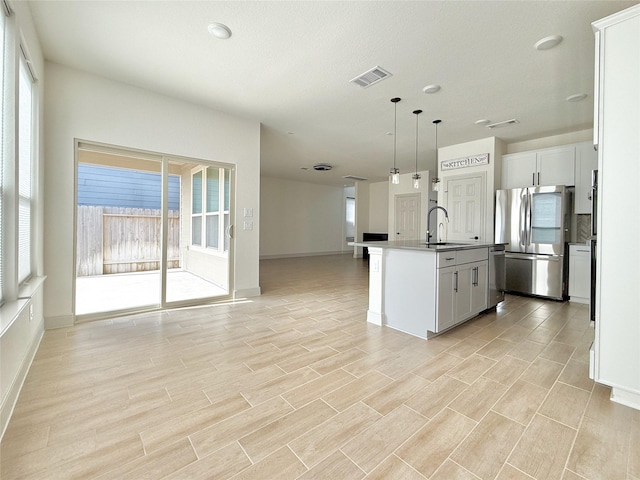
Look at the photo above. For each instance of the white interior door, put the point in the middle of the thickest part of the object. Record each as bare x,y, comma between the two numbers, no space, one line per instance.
407,216
464,200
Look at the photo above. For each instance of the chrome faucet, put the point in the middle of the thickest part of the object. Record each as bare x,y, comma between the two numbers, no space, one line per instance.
446,216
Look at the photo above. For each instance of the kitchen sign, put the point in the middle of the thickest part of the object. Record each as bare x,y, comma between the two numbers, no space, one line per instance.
465,162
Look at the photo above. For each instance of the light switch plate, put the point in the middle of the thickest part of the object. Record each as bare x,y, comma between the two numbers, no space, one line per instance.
248,225
248,212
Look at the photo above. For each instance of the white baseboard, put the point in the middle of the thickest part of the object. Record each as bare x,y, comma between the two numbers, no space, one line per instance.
247,292
310,254
61,321
6,409
625,397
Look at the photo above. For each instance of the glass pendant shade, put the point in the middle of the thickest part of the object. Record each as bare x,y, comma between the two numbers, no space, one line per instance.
416,176
394,174
435,182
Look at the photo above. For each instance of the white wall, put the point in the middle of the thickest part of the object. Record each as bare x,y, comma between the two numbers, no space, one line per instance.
378,207
20,332
551,141
83,106
300,218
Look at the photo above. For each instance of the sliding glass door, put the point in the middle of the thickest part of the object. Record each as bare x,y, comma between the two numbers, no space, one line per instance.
152,231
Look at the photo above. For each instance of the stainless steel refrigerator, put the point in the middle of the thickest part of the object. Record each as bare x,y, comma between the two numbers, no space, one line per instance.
533,223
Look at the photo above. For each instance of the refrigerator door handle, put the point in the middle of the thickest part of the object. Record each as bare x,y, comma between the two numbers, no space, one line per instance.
550,258
528,219
523,220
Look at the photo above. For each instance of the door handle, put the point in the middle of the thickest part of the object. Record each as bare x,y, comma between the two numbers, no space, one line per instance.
229,231
455,281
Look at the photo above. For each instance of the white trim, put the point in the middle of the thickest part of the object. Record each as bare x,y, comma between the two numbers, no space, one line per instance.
626,397
9,404
304,254
61,321
247,293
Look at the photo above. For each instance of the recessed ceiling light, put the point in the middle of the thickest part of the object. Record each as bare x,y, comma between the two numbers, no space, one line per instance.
322,167
482,121
547,42
219,30
576,98
431,89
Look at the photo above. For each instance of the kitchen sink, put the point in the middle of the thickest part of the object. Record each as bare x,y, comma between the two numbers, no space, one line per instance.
441,243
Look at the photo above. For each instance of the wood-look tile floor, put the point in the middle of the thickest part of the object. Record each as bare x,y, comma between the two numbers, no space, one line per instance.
295,384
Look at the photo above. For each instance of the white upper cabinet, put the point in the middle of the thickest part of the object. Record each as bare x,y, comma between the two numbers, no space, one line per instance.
538,168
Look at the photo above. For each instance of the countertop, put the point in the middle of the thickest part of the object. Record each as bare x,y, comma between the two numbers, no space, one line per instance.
420,245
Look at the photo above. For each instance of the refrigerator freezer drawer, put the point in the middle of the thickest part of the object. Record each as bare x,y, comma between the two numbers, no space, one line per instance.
541,275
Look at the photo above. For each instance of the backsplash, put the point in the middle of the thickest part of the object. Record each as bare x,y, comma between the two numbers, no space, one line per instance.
583,228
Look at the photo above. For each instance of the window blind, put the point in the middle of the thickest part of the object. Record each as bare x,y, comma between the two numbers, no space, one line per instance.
2,147
25,163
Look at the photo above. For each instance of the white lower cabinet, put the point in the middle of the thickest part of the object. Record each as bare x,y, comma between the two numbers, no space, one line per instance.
461,289
579,273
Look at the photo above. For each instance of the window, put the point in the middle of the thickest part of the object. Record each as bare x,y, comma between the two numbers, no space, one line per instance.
25,166
2,146
210,188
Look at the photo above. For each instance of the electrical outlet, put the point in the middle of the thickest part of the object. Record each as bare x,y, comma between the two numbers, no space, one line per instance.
248,212
248,225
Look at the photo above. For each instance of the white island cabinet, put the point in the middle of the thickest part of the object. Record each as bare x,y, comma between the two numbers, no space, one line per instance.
426,290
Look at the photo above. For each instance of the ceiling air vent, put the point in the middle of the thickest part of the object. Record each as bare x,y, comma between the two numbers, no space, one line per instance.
322,167
506,123
370,77
353,177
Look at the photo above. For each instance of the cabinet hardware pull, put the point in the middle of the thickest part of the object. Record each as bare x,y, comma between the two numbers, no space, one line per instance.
455,284
450,258
586,251
533,179
538,178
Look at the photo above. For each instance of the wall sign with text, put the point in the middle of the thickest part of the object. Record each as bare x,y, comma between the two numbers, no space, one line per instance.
465,162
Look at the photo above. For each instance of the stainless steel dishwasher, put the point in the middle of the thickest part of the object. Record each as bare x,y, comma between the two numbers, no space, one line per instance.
497,275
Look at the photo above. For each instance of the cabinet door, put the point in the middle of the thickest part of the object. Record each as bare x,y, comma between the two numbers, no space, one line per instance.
579,271
446,297
518,170
462,287
479,287
556,166
586,162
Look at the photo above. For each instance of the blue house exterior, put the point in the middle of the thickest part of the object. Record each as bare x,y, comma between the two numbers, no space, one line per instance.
120,187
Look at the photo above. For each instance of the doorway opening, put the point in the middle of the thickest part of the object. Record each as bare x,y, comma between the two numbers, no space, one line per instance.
151,230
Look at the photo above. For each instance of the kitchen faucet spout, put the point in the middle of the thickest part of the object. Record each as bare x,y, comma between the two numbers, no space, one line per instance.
446,216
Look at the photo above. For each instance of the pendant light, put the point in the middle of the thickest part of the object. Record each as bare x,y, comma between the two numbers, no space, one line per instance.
394,174
435,181
416,176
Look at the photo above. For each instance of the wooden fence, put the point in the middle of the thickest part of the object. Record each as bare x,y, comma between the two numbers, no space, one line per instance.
123,240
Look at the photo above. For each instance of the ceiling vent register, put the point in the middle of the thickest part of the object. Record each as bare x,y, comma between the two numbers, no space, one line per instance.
370,77
506,123
353,177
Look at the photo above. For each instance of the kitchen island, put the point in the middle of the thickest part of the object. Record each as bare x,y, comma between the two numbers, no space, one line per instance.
426,289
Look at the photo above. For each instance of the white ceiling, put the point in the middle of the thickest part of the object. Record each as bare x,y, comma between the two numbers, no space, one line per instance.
288,66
